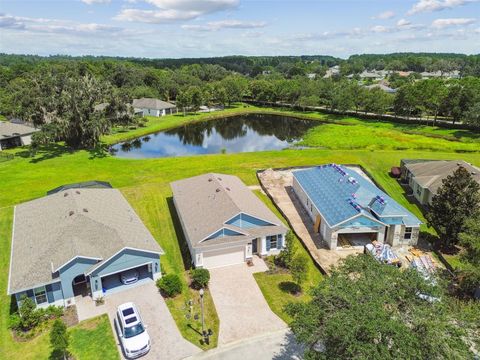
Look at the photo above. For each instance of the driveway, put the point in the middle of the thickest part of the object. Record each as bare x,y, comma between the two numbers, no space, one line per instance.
241,307
167,342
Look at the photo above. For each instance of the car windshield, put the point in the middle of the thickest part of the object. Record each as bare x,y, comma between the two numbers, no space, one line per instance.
134,330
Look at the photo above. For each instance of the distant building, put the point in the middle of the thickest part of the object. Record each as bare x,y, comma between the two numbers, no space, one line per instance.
331,72
13,135
425,177
312,76
383,87
345,207
374,75
153,107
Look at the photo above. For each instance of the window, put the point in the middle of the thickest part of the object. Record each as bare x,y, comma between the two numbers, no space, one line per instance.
273,241
408,233
40,295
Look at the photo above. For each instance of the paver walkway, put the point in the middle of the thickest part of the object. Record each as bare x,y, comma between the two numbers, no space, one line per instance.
241,307
167,342
278,185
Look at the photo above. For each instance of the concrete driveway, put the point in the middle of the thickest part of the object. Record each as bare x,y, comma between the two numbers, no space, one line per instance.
167,342
241,307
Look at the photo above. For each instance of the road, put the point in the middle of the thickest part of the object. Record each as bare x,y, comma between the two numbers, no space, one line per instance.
278,345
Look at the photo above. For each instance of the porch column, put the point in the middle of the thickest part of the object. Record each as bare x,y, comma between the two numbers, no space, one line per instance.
96,287
248,251
263,242
381,235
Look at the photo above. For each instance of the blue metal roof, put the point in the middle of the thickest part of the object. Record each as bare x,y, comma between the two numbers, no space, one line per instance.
339,195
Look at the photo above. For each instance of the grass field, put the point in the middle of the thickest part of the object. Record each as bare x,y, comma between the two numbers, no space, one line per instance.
145,183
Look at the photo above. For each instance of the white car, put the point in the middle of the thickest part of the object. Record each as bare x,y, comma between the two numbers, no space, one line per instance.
129,277
133,333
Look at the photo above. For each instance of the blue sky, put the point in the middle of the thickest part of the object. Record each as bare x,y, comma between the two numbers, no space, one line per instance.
192,28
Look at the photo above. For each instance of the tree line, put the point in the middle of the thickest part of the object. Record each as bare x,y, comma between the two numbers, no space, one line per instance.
61,93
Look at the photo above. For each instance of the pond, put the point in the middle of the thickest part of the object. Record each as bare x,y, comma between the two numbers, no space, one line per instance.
246,133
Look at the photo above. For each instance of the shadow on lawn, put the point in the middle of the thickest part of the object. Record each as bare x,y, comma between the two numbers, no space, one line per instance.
45,152
290,287
187,259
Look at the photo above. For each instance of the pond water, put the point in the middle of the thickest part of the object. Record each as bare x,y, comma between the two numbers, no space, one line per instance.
246,133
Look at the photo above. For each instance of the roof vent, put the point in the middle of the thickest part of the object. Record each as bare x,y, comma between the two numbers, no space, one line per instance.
71,212
217,190
228,189
78,192
65,194
219,178
85,210
210,180
473,173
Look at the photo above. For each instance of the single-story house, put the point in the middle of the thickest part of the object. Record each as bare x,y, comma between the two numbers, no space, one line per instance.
13,134
152,107
425,177
224,223
347,208
76,242
382,87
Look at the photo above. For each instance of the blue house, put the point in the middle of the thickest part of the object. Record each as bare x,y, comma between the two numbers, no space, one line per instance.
347,208
76,242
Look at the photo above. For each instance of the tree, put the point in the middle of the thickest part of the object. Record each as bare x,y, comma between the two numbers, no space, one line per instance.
59,338
29,316
366,310
66,100
235,87
286,255
472,116
196,97
455,201
184,101
469,274
299,268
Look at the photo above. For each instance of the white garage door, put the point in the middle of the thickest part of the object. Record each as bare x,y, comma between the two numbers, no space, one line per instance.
226,257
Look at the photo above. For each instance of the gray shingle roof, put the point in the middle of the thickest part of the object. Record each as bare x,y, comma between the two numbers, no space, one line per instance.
149,103
9,130
429,174
50,231
206,202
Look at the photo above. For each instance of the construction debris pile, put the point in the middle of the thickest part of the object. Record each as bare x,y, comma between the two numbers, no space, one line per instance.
423,263
383,253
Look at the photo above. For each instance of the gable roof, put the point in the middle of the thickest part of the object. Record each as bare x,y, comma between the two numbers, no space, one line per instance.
339,195
150,103
50,231
206,202
9,130
429,174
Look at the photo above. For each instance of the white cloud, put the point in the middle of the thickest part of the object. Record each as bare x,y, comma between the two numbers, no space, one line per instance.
384,15
403,23
380,29
443,23
42,25
90,2
175,10
226,24
436,5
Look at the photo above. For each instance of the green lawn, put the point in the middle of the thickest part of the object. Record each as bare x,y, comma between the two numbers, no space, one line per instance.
93,339
145,183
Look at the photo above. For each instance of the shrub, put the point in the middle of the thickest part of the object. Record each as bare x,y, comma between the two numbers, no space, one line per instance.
170,285
286,255
200,278
29,315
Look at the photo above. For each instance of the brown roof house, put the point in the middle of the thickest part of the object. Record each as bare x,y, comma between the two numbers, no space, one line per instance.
425,176
224,223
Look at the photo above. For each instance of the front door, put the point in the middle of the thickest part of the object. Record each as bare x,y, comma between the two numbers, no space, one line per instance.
254,246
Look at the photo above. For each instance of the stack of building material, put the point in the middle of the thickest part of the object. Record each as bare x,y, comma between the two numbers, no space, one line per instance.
383,253
424,265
